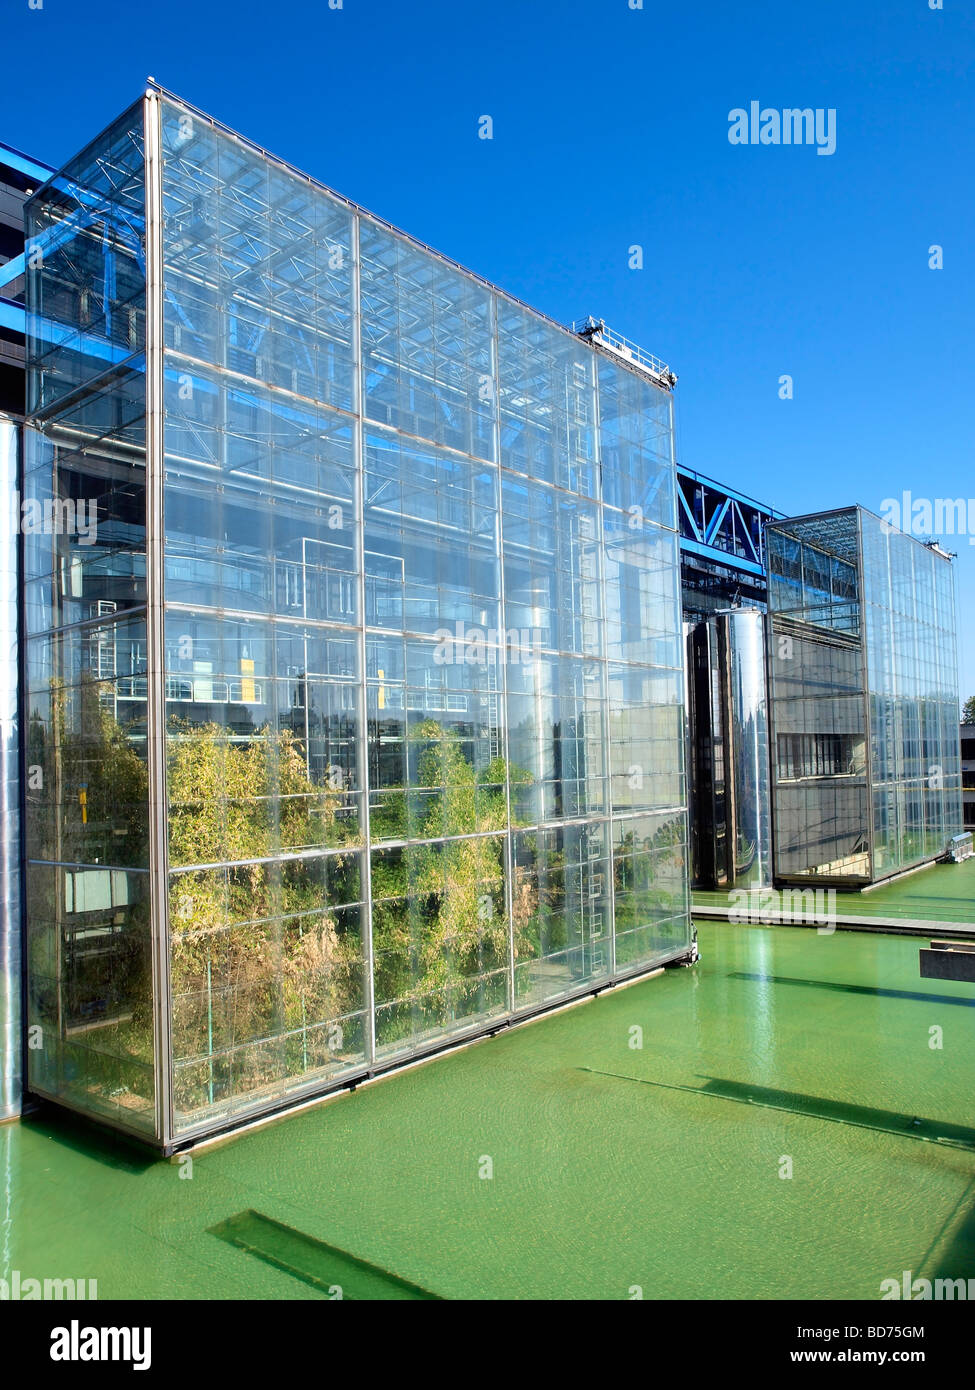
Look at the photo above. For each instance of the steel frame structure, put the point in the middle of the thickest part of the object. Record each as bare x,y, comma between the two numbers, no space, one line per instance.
721,525
447,391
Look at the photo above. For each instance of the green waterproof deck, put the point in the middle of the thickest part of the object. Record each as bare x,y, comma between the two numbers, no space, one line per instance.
613,1166
938,893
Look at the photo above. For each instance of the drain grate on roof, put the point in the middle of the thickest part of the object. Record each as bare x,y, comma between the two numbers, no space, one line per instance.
332,1271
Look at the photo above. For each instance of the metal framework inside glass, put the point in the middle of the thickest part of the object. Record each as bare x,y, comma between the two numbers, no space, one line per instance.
358,726
864,698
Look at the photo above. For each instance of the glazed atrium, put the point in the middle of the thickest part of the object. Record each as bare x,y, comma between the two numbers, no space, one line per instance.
357,728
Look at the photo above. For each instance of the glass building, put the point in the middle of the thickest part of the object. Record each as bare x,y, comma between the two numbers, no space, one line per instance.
354,717
864,698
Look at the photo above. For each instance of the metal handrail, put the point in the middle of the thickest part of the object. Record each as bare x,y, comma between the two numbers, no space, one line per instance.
590,327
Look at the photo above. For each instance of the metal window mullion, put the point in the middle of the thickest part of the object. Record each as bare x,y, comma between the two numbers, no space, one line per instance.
684,747
509,837
604,664
155,626
362,740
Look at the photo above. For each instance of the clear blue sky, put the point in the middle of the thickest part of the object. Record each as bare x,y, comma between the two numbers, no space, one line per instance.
611,129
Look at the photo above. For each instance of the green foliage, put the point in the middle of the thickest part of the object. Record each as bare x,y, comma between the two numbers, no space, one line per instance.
968,711
245,800
258,950
88,789
87,804
388,818
267,956
439,921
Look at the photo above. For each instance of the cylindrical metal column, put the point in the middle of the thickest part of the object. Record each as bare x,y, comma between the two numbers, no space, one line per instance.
749,841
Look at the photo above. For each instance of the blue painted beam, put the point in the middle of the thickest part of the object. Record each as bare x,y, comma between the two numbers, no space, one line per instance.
13,316
23,163
12,270
689,515
701,479
713,527
746,534
721,557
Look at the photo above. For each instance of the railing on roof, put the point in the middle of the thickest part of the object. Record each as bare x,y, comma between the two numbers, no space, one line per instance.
596,331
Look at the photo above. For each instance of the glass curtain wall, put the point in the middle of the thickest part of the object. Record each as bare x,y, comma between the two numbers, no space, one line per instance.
816,666
912,697
864,698
87,954
420,622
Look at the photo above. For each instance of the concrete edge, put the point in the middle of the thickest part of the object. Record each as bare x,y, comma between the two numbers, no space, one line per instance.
889,926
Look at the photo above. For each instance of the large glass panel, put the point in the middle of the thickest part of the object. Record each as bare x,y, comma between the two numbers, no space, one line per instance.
562,911
84,504
864,698
85,290
427,345
816,665
636,446
547,406
440,933
87,826
913,697
650,887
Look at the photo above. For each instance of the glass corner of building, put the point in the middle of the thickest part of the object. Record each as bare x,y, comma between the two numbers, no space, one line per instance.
357,700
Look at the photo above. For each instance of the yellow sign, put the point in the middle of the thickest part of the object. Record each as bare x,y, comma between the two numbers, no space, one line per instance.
248,690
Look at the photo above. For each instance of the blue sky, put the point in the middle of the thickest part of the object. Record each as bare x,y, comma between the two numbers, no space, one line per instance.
611,130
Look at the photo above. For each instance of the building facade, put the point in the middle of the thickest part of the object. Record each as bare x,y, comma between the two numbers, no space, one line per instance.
354,706
864,698
968,775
